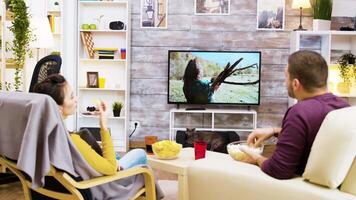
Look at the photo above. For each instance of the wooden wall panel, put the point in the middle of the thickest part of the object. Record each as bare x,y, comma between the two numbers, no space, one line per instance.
153,70
259,39
236,31
149,86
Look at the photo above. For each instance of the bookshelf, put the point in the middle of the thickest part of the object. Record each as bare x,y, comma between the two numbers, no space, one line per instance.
54,15
115,69
331,45
2,53
7,64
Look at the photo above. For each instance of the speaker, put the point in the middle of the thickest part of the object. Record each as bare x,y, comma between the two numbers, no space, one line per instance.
116,25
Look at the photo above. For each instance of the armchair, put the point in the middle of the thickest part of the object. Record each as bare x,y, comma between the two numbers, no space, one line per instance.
38,145
73,186
48,65
330,173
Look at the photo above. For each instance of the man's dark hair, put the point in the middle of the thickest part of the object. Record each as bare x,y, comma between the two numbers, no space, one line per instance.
53,86
310,68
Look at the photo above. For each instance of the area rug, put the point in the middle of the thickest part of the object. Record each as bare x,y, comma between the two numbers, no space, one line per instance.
170,189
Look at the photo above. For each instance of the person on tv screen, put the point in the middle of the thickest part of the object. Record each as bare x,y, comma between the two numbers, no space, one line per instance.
306,80
195,89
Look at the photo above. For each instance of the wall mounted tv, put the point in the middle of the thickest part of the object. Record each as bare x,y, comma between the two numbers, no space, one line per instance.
214,77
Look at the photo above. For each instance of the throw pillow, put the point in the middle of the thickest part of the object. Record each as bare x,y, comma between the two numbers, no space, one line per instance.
333,150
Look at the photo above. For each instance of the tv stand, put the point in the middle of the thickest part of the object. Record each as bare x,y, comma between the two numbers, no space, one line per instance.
195,109
241,121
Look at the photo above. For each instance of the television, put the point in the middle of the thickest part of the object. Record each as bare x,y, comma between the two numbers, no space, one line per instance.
214,77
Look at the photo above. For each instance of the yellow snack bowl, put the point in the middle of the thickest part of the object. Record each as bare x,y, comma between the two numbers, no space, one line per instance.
166,149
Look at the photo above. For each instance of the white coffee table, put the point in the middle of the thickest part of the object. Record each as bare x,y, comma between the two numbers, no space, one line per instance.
180,165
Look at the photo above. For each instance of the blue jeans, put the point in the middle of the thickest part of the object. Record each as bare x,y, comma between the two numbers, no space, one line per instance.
133,158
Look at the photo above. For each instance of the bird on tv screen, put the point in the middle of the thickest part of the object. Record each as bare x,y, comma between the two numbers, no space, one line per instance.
214,77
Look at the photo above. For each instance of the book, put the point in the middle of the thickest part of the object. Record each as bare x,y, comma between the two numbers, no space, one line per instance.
106,57
105,49
105,52
51,22
57,24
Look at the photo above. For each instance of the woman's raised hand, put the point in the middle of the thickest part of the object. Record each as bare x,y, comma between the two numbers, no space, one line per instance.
102,107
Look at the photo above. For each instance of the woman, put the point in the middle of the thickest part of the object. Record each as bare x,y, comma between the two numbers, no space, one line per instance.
57,87
196,90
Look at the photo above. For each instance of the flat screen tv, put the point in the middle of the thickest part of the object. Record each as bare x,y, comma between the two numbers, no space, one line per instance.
214,77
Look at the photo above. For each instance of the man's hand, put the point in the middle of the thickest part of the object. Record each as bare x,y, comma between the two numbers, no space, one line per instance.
259,135
252,157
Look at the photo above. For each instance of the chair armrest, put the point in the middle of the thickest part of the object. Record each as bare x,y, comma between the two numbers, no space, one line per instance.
106,179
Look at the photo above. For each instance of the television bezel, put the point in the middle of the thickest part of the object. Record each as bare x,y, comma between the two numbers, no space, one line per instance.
232,104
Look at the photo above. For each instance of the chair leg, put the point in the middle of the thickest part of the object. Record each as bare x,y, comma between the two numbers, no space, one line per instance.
26,191
149,186
2,169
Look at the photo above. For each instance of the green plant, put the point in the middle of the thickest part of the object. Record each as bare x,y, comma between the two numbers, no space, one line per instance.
322,9
117,105
22,36
7,86
346,63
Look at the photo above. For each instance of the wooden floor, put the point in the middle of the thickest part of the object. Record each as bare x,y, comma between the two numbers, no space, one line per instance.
12,191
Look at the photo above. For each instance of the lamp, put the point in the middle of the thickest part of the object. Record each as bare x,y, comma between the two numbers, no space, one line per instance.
300,4
41,31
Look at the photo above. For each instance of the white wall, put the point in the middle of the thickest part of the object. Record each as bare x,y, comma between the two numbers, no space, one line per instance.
69,17
35,8
344,8
69,58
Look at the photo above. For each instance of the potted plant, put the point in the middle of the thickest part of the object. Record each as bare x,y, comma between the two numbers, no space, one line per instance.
347,69
322,14
22,36
116,108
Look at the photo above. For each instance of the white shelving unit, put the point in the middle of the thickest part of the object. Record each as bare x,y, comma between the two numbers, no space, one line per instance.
54,9
329,41
7,67
2,53
115,71
212,120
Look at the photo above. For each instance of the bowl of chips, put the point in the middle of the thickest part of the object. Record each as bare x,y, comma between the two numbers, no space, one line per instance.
166,149
234,150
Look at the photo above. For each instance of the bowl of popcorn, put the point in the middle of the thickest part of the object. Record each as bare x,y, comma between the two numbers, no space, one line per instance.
234,149
166,149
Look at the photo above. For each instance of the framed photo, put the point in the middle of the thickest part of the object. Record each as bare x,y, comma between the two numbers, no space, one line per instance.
154,13
92,79
212,7
270,14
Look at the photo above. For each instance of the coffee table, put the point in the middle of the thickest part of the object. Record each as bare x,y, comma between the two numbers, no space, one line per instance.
180,166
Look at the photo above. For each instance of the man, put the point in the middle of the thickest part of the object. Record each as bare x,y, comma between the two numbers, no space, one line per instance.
306,79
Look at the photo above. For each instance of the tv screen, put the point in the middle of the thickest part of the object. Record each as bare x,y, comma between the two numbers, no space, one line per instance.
214,77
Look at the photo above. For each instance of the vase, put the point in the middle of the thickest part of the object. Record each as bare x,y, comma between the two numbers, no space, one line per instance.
321,25
116,113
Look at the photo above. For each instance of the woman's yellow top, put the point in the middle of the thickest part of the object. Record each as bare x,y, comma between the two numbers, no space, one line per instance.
105,164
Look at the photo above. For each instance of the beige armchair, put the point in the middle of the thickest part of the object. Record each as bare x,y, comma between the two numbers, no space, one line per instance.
330,173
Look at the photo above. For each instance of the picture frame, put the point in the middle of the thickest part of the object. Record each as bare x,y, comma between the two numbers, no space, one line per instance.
92,79
212,7
154,14
270,15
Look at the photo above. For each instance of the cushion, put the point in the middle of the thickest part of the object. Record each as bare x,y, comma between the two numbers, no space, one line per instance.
349,184
333,150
